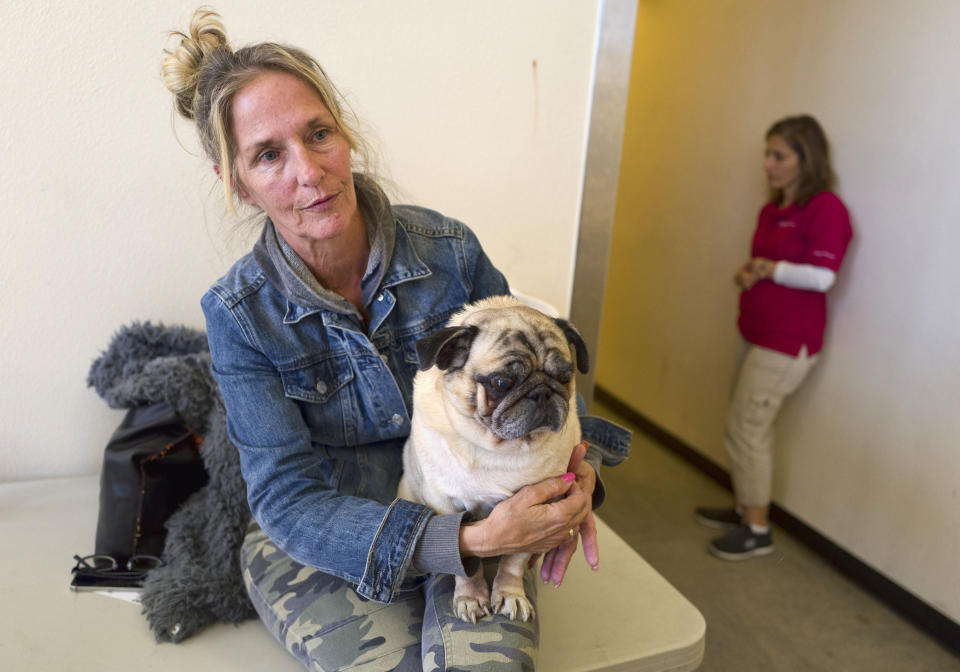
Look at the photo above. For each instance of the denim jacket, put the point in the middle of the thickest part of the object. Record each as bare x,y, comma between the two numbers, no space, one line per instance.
318,403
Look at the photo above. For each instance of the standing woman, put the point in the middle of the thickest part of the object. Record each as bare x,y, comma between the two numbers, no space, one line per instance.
799,244
312,339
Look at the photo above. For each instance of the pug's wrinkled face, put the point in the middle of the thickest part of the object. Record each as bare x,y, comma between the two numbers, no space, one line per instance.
509,368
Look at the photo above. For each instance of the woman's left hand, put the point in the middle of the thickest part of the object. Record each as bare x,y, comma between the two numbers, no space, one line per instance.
555,562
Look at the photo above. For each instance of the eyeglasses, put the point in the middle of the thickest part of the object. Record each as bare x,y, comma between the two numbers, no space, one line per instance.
107,566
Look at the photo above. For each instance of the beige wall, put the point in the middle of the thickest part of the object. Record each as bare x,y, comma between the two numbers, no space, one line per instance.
107,219
869,449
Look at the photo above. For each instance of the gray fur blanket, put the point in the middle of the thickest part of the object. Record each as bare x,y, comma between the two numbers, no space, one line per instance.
201,582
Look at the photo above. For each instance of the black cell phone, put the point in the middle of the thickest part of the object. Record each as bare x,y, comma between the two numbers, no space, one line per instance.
83,582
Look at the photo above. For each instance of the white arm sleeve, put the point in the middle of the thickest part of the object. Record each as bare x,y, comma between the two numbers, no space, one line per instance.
803,276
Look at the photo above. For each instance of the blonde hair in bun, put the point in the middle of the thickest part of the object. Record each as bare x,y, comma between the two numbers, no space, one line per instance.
181,67
204,74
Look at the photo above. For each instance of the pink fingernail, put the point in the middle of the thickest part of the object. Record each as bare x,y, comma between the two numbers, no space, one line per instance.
569,477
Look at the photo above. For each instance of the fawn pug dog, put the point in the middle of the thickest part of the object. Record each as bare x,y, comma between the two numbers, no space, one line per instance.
493,411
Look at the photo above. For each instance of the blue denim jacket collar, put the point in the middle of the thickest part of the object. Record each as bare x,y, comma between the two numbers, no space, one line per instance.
404,266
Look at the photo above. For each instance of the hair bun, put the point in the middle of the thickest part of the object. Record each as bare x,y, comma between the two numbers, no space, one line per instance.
181,67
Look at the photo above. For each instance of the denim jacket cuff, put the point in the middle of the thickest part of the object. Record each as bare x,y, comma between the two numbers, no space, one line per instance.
438,550
391,553
609,439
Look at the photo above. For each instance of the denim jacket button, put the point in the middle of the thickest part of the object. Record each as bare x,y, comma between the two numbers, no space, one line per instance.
321,387
380,296
397,419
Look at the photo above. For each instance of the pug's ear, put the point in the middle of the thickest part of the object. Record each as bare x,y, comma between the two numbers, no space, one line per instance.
448,348
576,340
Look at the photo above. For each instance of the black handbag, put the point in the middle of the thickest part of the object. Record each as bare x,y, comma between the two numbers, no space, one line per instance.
151,465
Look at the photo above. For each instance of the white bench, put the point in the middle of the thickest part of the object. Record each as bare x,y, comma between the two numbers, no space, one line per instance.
625,617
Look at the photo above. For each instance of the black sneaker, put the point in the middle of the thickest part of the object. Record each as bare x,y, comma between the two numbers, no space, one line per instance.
742,543
724,519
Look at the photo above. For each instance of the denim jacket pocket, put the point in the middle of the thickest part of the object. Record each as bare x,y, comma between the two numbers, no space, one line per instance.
325,396
316,382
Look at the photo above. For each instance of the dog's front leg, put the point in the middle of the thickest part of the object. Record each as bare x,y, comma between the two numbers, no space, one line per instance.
508,596
471,596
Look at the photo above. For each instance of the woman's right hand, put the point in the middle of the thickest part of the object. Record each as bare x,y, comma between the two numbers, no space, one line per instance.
746,277
526,522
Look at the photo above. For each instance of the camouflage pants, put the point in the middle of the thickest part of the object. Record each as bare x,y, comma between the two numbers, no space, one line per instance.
322,621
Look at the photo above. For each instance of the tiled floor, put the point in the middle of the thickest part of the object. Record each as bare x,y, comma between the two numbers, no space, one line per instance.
785,611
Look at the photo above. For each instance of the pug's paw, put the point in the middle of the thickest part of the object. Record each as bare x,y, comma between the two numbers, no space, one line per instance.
471,607
512,604
471,602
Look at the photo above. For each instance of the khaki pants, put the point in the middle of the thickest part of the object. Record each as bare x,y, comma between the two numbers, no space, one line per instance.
766,378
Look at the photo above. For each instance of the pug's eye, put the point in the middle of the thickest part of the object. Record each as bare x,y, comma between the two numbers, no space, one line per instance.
562,371
499,385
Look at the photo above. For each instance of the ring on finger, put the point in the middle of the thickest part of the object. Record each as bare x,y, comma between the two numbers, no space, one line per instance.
572,532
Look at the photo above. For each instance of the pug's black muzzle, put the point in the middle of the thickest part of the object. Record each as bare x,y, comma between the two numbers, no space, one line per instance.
540,402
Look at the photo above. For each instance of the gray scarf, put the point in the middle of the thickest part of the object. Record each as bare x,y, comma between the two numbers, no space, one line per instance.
288,273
